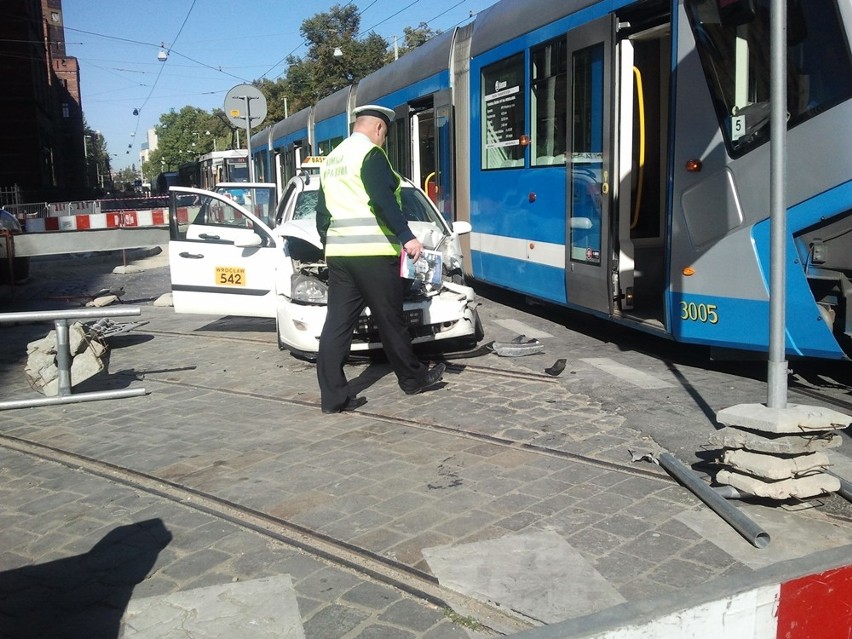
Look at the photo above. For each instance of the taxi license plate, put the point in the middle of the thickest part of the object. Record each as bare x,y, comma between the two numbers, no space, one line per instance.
414,317
230,276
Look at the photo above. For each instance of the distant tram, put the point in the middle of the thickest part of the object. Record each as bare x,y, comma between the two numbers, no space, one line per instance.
613,157
214,167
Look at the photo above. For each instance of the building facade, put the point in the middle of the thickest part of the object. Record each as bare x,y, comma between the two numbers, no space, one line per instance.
41,141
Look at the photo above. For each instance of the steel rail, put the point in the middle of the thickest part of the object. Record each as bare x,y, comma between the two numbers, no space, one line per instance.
334,551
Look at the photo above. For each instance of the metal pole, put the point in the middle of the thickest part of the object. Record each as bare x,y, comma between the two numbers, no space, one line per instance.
755,535
72,399
248,134
63,357
777,373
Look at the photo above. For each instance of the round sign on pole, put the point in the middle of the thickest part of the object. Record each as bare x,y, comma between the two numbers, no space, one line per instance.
245,106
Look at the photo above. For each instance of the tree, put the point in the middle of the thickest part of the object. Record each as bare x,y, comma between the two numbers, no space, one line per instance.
413,37
320,73
182,136
277,101
97,158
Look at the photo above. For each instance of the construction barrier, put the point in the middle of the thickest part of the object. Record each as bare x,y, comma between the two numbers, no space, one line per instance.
113,220
807,598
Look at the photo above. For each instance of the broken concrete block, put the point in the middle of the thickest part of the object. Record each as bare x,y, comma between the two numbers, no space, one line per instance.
106,300
795,418
46,344
77,340
86,360
772,467
85,365
796,488
735,437
164,300
37,362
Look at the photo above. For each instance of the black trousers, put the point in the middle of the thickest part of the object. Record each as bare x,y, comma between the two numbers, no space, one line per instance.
353,283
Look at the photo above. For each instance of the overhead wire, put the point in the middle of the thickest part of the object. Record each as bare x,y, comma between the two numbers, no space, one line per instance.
138,111
296,48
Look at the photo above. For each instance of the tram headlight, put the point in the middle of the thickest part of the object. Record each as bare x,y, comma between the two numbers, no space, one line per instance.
309,290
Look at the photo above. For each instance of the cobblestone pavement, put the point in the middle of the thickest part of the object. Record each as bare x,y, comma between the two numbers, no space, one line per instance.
510,489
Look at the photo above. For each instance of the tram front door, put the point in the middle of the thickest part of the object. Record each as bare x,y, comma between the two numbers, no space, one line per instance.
589,174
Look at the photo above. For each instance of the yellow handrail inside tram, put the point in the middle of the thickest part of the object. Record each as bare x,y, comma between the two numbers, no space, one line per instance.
640,96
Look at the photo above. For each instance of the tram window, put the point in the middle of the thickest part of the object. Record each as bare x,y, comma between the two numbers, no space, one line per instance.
396,146
548,103
503,114
733,43
327,146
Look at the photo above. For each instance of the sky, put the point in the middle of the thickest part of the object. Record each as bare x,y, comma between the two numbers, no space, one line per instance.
213,46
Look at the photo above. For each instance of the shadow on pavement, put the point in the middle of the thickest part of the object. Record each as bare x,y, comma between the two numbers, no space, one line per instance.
85,595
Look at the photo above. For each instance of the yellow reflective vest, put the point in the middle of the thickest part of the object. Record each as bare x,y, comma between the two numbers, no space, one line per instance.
354,229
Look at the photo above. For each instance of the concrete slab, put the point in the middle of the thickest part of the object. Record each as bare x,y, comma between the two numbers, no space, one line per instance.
795,418
258,609
537,574
791,488
732,437
520,328
793,535
773,467
626,373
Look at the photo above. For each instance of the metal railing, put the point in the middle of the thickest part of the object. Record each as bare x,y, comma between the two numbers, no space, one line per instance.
63,354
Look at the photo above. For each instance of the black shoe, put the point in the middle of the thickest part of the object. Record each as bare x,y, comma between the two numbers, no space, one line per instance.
351,404
433,376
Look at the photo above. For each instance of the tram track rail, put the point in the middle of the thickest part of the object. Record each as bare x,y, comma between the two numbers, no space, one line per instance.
373,566
814,393
403,577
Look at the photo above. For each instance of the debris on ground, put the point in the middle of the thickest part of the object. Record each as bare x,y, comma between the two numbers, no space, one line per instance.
87,359
557,368
515,349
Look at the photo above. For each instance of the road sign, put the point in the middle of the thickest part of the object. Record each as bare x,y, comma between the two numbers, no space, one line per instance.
245,106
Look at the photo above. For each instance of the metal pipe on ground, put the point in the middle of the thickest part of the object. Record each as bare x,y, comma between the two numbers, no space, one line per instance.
755,535
845,487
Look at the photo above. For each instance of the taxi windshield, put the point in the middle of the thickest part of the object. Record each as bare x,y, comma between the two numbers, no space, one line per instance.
415,206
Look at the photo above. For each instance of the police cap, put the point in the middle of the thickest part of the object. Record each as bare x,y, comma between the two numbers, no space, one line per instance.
375,111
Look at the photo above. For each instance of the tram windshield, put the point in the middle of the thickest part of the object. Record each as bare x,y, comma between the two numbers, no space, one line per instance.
732,37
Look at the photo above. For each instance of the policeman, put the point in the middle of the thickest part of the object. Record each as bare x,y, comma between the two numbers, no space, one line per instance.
364,231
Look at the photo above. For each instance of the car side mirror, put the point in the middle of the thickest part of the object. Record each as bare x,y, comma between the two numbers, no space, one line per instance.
250,242
460,227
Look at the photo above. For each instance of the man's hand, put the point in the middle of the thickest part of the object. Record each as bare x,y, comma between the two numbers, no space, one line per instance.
413,248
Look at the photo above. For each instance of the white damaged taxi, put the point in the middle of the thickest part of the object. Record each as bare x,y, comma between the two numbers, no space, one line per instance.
231,253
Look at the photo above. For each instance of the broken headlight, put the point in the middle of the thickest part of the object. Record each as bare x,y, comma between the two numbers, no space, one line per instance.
309,290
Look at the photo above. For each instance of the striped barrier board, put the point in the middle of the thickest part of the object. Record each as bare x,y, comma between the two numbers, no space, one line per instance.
112,220
817,605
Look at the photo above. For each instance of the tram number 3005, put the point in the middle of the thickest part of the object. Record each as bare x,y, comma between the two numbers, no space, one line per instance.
693,312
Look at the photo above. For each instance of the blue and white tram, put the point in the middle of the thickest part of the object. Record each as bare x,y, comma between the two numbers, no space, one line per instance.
262,156
613,157
330,120
291,143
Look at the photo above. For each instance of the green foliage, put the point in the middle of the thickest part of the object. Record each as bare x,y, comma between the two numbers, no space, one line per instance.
190,132
184,135
413,37
320,73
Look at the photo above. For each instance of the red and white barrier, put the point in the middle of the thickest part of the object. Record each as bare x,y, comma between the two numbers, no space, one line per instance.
817,606
112,220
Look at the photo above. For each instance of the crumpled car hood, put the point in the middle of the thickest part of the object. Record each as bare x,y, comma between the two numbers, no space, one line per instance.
305,230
